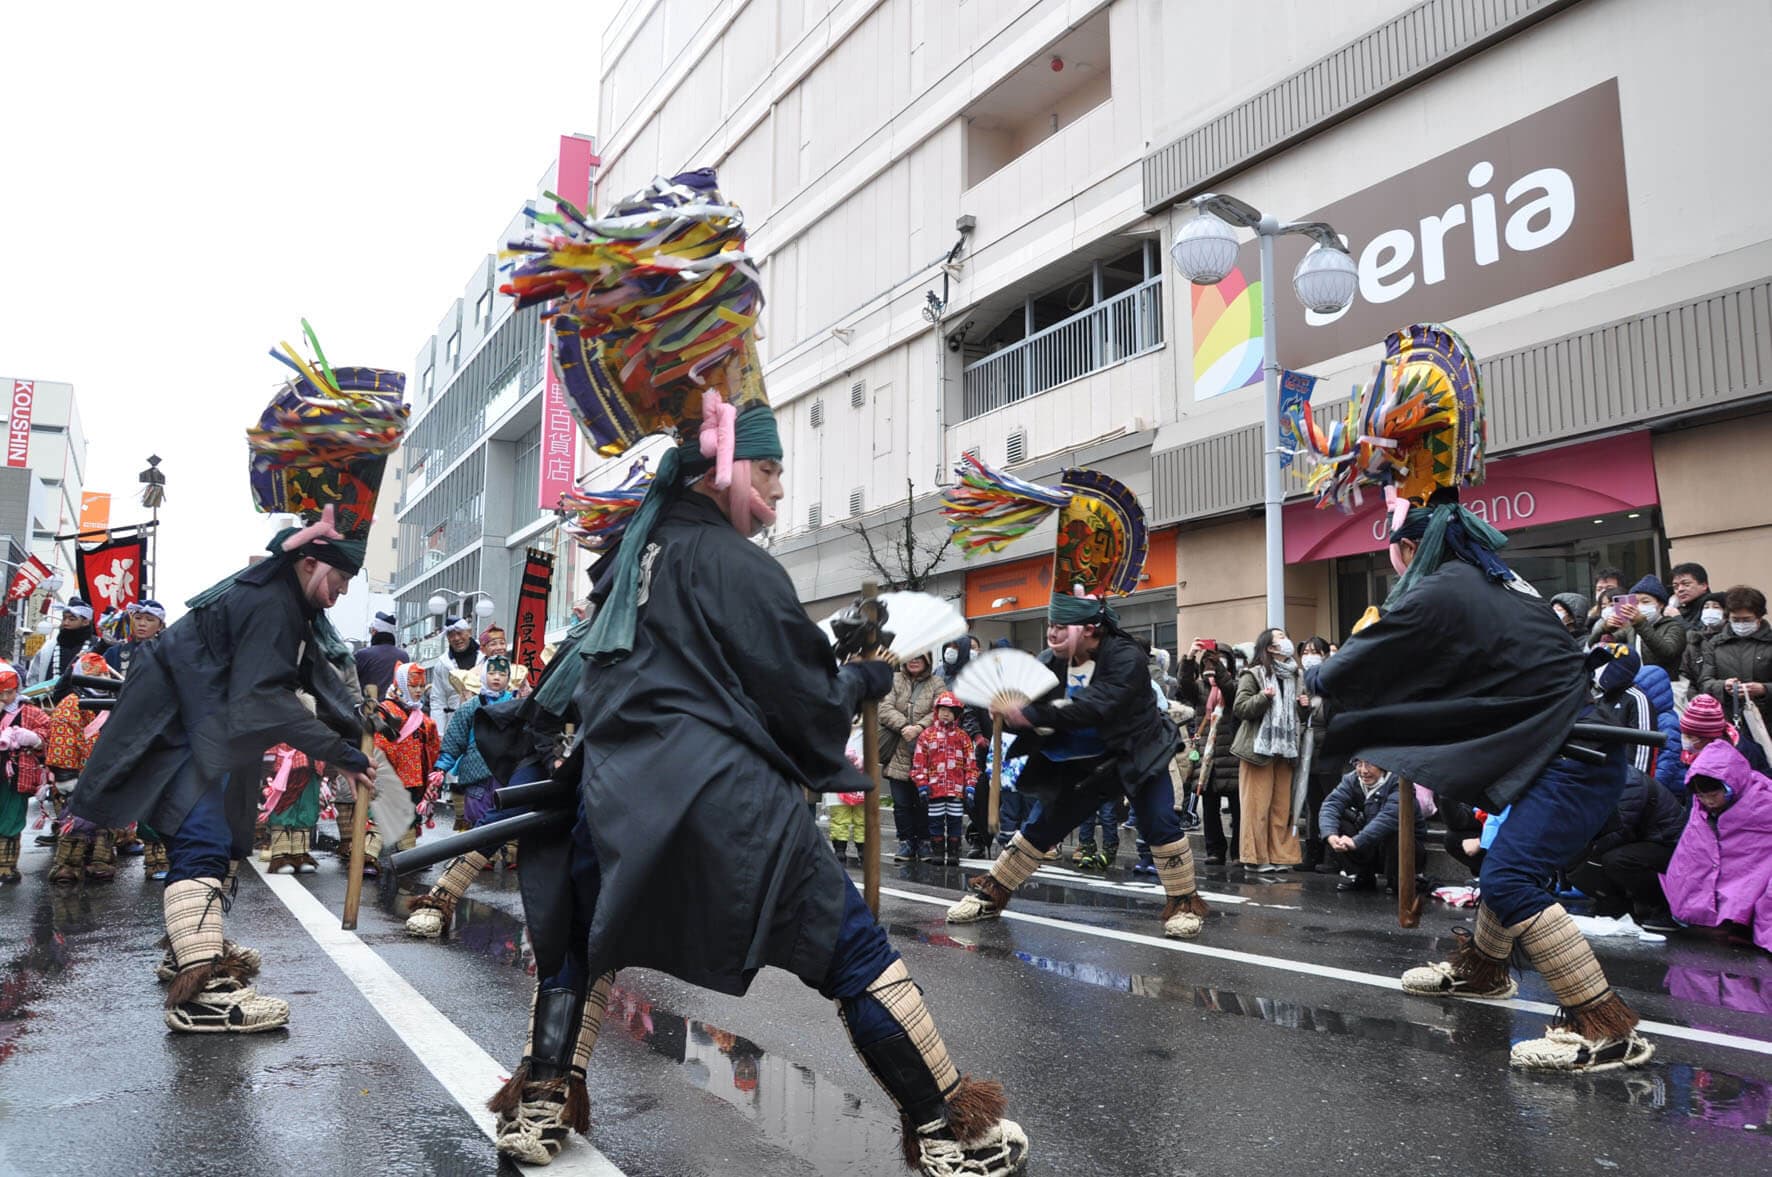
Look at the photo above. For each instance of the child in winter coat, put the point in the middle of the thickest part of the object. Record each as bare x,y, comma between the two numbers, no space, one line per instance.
943,771
848,818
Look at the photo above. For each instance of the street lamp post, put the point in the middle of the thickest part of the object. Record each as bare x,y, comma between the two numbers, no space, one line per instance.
1205,251
440,601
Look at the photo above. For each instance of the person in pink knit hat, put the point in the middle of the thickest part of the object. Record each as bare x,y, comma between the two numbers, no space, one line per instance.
1703,722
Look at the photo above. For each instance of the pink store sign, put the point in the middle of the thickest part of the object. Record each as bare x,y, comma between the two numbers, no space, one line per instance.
1578,481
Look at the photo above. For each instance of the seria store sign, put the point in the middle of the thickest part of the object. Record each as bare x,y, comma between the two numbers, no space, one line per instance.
18,422
1540,202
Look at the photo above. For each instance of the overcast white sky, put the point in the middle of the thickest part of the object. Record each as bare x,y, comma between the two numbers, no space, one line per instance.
181,184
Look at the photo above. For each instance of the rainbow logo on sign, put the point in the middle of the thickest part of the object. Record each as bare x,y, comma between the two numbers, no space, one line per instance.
1227,335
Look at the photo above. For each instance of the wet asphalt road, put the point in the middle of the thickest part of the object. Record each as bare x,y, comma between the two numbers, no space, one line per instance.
1120,1055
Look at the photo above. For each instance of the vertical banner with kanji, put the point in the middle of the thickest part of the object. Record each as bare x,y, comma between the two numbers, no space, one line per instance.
532,607
111,573
559,438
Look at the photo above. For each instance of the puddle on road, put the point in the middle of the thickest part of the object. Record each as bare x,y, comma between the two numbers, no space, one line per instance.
792,1105
798,1109
1712,1097
43,956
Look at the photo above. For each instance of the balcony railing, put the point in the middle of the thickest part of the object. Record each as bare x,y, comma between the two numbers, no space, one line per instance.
1116,329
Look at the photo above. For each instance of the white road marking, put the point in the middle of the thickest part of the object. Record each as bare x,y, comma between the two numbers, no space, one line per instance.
467,1072
1063,876
1307,968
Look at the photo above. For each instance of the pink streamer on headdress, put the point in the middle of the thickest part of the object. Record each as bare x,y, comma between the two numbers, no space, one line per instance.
325,528
1395,506
718,420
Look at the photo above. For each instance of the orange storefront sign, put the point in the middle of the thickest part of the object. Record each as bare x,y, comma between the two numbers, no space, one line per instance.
1027,584
95,510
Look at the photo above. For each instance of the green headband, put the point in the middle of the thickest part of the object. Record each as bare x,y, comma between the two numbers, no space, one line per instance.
1069,610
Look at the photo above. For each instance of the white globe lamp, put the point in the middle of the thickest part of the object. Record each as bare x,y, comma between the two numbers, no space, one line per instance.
1326,280
1205,250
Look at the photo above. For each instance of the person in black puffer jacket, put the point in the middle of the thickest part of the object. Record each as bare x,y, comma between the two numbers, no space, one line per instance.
1622,868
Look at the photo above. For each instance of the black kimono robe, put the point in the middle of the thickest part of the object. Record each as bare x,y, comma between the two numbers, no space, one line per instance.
219,686
696,747
1465,687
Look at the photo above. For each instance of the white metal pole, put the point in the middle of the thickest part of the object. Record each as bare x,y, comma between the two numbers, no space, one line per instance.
1270,434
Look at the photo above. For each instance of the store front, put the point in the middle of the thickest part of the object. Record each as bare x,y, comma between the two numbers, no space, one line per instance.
1009,600
1567,512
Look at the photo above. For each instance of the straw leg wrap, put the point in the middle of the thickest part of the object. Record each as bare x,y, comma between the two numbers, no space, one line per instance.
1477,966
914,1069
546,1097
1184,915
193,909
434,911
1561,954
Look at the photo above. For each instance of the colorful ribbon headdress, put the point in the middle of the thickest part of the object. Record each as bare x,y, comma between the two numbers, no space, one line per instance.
325,438
653,308
1102,538
1419,427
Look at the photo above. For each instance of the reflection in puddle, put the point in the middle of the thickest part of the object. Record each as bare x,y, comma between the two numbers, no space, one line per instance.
792,1105
1711,1097
796,1108
44,956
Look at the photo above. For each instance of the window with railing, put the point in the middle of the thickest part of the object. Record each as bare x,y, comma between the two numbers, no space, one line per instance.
1112,331
459,418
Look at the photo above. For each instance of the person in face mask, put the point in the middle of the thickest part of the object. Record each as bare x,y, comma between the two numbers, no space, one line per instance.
1736,666
1641,615
1572,610
1707,618
1704,723
1270,705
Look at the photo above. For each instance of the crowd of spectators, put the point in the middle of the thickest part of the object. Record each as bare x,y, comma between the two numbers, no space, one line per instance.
1687,660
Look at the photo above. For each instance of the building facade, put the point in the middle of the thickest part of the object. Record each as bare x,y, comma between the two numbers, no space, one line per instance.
471,467
41,475
963,213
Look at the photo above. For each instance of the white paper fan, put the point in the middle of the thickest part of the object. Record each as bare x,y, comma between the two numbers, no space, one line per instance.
919,624
1007,677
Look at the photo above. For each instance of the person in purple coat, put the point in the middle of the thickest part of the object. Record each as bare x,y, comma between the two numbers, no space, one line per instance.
1721,872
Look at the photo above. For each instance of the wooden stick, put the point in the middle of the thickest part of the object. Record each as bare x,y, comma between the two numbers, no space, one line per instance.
359,828
1408,903
870,763
996,773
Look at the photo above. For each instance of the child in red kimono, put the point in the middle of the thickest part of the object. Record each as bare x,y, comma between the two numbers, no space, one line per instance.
408,737
943,771
24,730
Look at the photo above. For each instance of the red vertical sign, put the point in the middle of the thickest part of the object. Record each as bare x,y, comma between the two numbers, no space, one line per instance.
18,422
559,439
532,608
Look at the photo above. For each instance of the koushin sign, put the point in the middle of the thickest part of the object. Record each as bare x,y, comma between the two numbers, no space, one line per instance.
1537,203
18,422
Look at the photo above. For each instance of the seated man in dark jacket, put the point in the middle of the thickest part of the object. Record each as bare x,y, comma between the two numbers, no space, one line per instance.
1359,820
1622,868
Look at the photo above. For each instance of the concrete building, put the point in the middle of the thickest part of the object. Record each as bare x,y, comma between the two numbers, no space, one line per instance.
44,468
41,474
471,468
964,210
